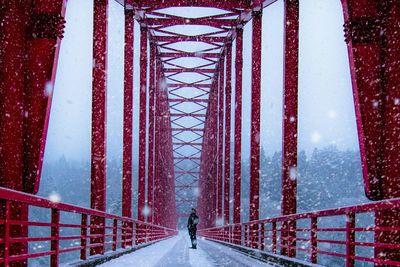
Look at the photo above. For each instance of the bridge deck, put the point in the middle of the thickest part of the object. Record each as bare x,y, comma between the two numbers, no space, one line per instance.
175,252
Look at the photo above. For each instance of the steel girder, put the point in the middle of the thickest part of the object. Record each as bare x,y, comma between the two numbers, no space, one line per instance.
30,37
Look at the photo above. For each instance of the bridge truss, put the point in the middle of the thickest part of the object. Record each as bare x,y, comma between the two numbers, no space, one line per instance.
184,151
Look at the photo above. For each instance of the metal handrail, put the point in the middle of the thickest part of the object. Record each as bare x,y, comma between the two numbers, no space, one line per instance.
124,231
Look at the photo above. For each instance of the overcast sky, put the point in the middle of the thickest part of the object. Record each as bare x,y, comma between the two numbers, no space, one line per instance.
326,112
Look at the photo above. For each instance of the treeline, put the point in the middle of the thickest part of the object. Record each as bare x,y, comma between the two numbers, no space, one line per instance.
327,178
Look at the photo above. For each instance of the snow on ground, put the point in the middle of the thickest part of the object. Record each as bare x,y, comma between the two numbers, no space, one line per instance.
176,252
146,257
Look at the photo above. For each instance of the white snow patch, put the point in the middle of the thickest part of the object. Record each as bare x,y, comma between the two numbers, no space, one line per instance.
145,257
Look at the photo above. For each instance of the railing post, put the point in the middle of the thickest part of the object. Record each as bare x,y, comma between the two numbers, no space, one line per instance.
6,237
124,226
115,234
350,239
274,237
239,235
248,234
135,232
231,234
242,235
146,233
55,235
262,237
130,230
288,238
83,236
313,237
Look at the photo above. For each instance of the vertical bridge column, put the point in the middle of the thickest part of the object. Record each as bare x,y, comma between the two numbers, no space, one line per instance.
128,123
237,169
372,34
99,117
157,149
142,125
202,205
30,37
208,179
290,119
150,172
221,90
227,165
255,126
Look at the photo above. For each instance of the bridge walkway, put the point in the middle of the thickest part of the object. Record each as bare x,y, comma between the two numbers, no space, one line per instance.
176,252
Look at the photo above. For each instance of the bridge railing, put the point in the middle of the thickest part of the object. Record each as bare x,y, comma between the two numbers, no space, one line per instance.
342,235
112,233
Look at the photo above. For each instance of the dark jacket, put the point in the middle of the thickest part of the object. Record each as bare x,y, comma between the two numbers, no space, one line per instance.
193,221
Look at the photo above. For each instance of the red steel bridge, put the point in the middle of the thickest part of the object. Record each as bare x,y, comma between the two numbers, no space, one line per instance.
30,35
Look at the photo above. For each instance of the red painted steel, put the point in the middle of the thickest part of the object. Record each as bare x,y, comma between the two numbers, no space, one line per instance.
157,149
128,115
150,160
227,164
128,124
166,22
290,119
99,121
371,31
375,103
29,47
316,244
221,111
142,125
255,118
223,4
42,48
237,168
208,165
190,54
113,225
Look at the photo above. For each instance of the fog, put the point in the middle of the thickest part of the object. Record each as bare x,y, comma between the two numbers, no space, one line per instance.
326,111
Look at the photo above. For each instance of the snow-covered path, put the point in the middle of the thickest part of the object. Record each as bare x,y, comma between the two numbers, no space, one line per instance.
175,252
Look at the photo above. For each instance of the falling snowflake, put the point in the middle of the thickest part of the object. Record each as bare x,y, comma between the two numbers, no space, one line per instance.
146,210
54,197
332,114
48,88
316,137
196,191
293,173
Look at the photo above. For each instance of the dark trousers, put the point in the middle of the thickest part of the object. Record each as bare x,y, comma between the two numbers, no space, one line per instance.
192,234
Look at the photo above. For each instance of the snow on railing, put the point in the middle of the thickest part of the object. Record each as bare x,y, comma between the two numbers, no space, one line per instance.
112,233
342,235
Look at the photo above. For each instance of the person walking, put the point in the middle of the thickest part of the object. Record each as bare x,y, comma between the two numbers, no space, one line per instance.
193,220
